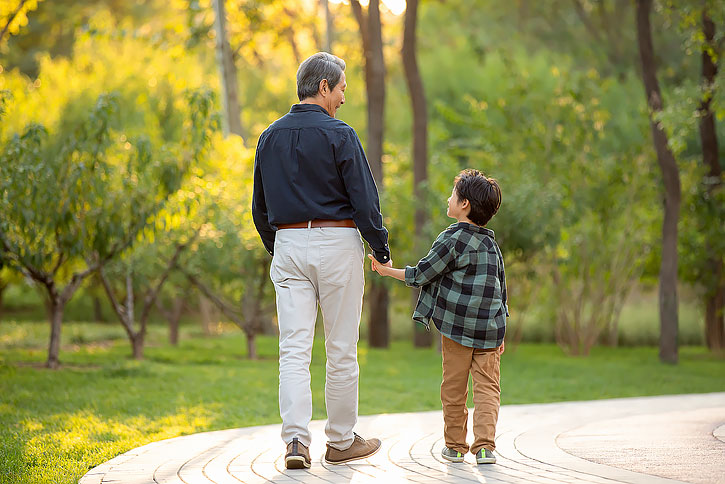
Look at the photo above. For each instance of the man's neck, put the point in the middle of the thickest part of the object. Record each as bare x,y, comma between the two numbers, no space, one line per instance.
313,100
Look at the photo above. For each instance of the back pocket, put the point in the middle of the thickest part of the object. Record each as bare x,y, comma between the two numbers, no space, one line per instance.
337,266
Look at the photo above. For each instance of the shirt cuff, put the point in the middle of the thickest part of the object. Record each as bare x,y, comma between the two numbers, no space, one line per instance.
410,276
382,256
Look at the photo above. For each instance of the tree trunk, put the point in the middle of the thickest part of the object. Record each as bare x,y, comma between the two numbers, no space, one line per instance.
375,85
137,343
329,27
671,178
174,320
97,310
2,291
714,331
372,38
421,337
715,290
227,74
206,309
56,320
379,336
251,345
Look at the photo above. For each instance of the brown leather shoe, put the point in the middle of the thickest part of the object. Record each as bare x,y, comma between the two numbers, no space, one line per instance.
298,455
359,449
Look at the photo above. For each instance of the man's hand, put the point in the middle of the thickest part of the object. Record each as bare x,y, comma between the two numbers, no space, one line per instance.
377,266
501,348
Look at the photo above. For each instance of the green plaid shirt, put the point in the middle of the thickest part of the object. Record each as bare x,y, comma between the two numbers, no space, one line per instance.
463,287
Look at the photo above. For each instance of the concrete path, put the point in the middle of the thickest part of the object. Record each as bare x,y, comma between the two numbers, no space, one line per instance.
663,439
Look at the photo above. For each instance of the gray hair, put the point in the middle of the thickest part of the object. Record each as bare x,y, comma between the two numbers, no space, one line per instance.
316,68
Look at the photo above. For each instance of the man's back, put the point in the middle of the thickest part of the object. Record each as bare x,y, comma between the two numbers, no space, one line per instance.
299,166
311,166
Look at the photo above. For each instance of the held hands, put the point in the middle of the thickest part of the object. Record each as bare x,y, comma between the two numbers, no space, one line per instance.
387,269
378,267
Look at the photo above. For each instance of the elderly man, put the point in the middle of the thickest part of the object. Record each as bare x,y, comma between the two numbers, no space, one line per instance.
313,192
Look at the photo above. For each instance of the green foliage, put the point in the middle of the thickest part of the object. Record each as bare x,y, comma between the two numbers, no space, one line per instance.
89,193
703,231
55,25
575,185
544,98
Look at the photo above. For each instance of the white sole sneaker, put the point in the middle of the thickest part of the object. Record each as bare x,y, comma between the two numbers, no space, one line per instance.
458,457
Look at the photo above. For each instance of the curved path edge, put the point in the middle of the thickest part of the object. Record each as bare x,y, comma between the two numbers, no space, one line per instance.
629,440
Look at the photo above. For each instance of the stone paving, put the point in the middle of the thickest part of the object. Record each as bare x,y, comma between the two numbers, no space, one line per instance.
655,440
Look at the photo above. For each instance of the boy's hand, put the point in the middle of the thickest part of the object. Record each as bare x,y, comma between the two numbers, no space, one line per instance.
501,348
386,269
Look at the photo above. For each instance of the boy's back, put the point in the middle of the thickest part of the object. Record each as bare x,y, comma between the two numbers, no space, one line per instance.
463,286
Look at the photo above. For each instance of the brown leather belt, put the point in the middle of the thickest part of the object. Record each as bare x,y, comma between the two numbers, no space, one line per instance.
319,223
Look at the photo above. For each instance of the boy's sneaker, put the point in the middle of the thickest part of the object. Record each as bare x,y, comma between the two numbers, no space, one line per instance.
360,449
485,456
298,455
452,455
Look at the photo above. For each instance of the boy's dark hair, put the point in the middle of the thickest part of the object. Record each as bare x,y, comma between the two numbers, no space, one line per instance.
482,193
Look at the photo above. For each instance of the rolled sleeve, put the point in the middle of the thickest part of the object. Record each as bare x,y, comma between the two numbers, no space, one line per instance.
360,185
440,260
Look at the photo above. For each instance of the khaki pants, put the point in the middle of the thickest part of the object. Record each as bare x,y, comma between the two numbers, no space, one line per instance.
483,365
322,265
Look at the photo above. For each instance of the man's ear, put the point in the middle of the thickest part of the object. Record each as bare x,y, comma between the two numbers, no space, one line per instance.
324,86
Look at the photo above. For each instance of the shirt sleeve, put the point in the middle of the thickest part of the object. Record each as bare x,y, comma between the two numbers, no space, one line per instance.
360,185
440,260
259,207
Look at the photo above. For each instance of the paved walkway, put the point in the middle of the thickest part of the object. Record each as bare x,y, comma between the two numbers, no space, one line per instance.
663,439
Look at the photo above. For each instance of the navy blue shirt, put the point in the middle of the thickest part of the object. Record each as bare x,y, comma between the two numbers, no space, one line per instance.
311,166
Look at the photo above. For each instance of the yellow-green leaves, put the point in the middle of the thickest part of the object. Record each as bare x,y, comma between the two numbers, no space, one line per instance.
14,15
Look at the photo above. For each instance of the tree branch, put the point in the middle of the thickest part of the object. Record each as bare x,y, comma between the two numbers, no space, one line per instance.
26,269
117,307
76,280
593,30
61,260
224,306
10,20
171,265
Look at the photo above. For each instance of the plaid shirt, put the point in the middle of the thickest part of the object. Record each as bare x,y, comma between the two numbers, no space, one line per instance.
463,287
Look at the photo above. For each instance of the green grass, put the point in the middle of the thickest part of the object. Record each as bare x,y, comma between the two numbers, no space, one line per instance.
55,425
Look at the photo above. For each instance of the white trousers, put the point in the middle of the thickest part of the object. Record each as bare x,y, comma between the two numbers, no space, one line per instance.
322,265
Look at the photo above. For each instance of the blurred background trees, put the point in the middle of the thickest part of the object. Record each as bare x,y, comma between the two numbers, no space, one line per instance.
114,162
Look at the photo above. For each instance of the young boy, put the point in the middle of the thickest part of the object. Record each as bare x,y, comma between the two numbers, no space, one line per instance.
464,293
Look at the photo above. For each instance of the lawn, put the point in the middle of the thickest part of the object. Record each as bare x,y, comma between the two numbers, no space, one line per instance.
55,425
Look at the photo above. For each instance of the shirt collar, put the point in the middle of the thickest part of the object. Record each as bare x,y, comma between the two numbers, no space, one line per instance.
307,108
474,228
